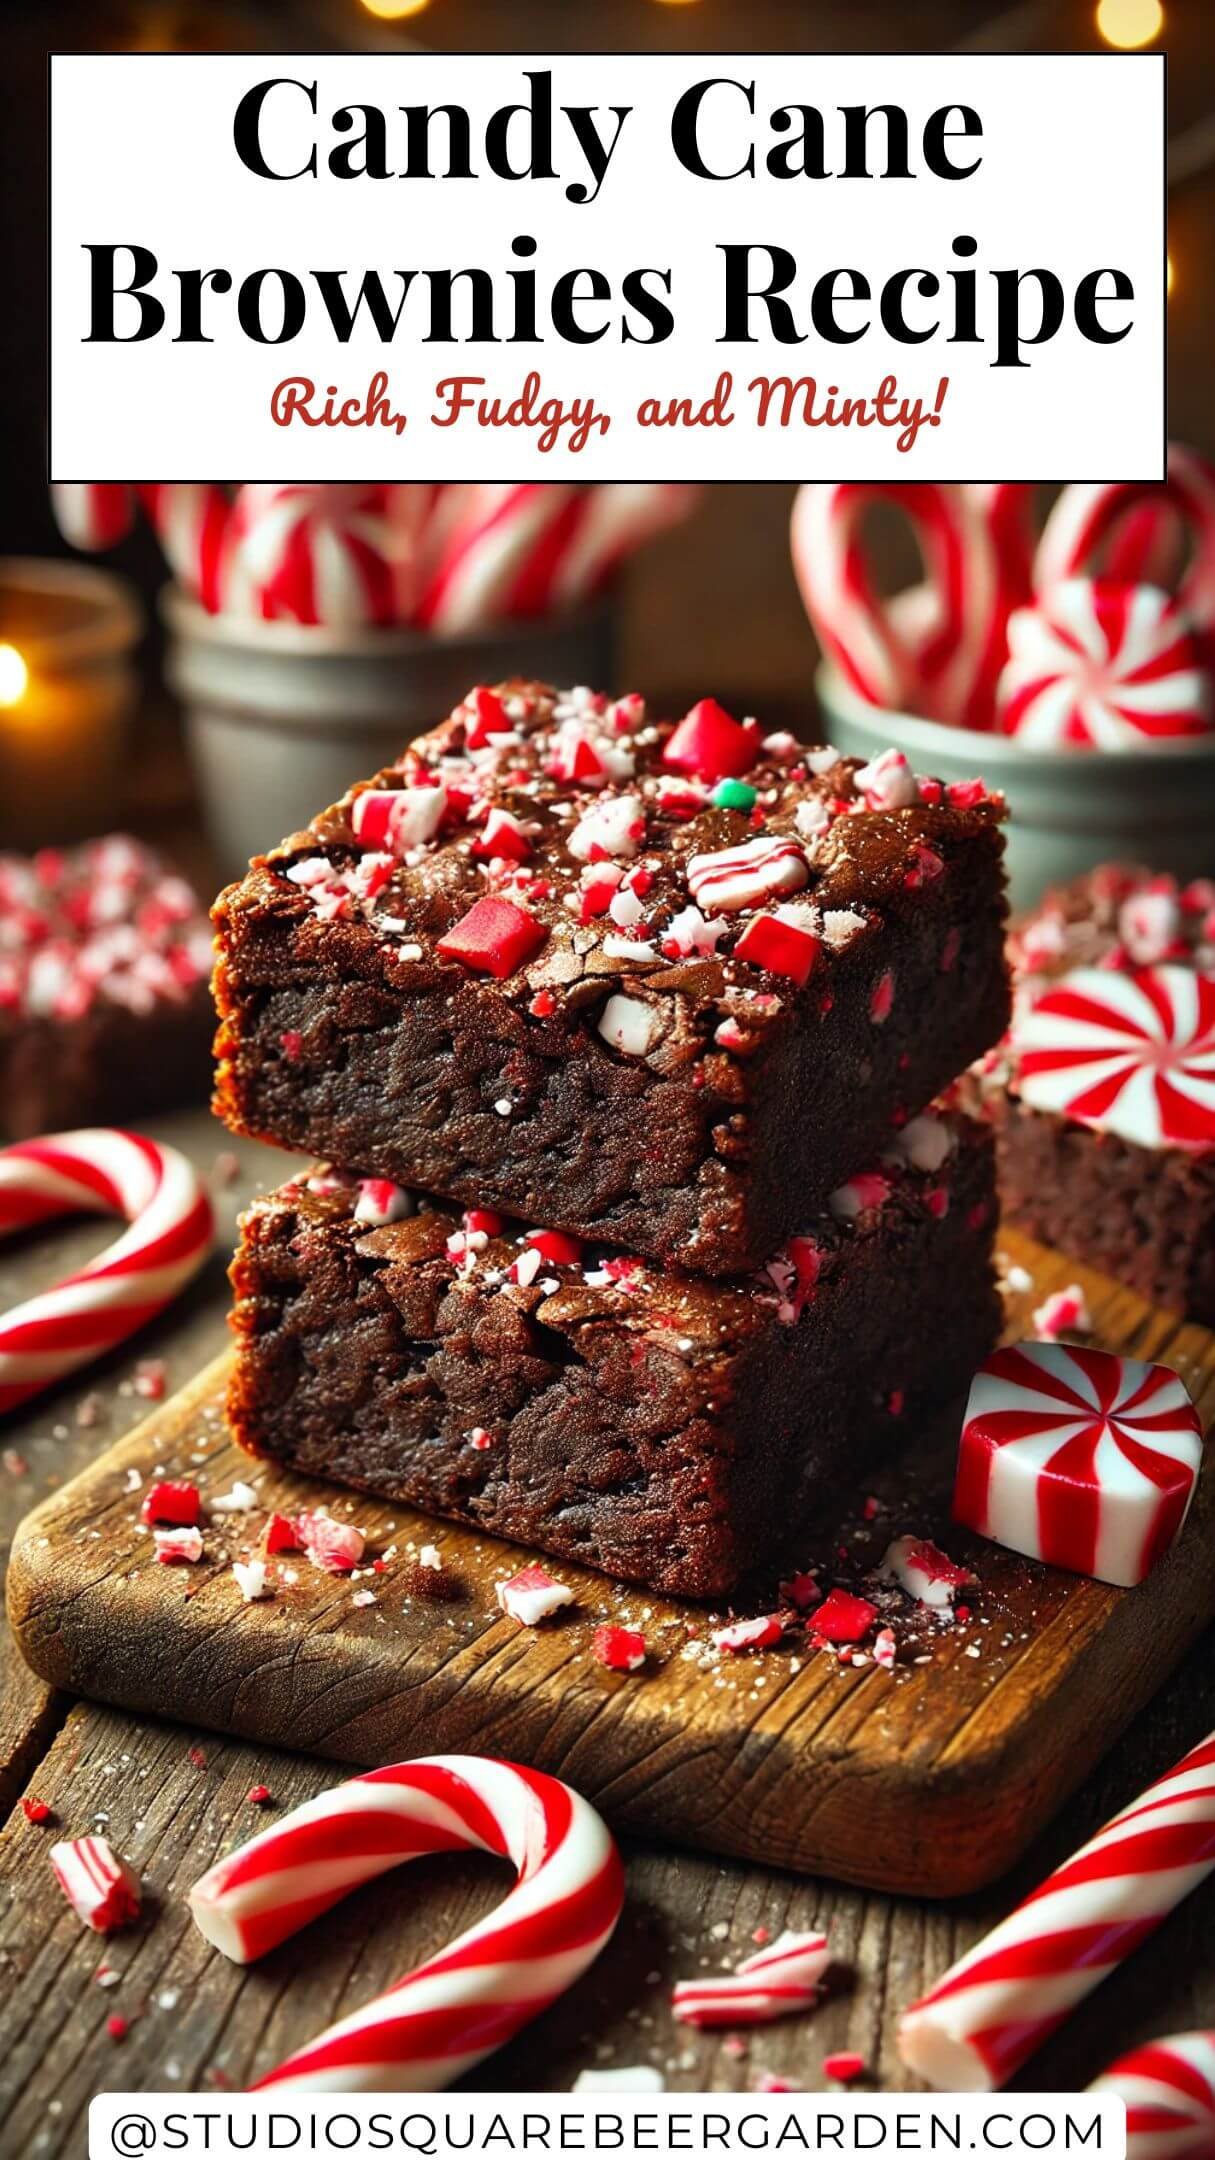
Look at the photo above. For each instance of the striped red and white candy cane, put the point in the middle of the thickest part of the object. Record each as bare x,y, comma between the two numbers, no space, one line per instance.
777,1981
170,1231
1169,2090
93,514
193,521
1090,514
611,522
976,2027
1008,509
947,666
338,555
472,1997
497,556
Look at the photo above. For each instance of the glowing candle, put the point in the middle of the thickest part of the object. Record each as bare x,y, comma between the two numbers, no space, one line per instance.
66,691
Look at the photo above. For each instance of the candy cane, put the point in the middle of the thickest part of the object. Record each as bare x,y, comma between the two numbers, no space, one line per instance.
93,515
472,1997
948,669
333,554
169,1236
1007,507
193,521
977,2026
500,557
1090,513
1169,2090
613,520
777,1981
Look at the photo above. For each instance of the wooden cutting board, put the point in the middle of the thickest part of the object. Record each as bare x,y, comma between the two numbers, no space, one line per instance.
929,1780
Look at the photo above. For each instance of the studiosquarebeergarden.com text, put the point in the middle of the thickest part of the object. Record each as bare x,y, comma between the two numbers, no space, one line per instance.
471,402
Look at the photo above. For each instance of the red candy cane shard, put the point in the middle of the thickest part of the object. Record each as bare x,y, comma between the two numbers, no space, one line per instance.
100,1888
1169,2091
776,1982
976,2027
169,1235
1126,1053
477,1994
1101,667
1078,1458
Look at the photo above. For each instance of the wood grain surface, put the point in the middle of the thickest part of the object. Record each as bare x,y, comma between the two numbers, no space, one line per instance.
174,1796
930,1780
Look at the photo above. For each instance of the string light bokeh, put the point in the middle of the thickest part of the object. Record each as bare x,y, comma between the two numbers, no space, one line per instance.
1128,24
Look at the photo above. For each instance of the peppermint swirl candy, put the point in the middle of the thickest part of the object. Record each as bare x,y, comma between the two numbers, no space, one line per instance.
1099,666
1131,1054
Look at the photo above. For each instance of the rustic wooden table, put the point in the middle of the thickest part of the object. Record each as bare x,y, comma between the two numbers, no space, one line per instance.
172,1799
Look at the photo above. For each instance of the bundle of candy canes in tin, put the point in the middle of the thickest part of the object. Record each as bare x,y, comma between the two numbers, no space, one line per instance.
1097,635
443,559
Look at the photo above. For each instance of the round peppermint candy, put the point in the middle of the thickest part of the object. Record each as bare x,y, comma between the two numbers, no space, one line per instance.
1132,1054
1080,1458
1101,666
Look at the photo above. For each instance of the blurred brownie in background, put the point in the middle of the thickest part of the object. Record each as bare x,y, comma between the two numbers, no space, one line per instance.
105,1009
1103,1094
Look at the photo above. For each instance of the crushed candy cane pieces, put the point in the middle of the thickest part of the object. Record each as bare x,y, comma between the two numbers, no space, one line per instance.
336,1547
531,1595
100,1888
620,1649
250,1578
925,1572
171,1502
1065,1312
758,1634
174,1546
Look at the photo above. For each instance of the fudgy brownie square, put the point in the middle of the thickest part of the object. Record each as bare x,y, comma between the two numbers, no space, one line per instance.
663,1428
663,985
1103,1095
105,1010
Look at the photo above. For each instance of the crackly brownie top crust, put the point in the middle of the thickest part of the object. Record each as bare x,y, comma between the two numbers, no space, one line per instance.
103,924
567,1284
569,845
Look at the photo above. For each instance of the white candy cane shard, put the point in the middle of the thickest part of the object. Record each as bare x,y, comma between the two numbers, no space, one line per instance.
100,1888
1168,2088
470,1998
1132,1054
997,2005
776,1982
744,877
171,1229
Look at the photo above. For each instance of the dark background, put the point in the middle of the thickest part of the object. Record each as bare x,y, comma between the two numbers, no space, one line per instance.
713,604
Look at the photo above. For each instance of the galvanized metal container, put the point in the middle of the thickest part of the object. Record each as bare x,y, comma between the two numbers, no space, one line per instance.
1067,809
281,717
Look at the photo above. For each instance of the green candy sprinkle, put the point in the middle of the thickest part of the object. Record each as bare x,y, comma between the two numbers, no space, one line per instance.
733,795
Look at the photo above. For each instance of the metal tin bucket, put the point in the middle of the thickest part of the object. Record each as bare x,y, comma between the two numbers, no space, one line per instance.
1067,809
281,717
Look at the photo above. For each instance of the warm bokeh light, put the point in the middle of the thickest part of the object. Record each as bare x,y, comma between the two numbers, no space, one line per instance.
14,675
1128,23
394,10
1168,273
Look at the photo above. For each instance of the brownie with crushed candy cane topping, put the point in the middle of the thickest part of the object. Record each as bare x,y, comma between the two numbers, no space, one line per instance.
105,1007
661,983
1102,1095
666,1429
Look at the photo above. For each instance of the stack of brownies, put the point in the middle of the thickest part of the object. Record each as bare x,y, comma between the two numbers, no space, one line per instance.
640,1228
